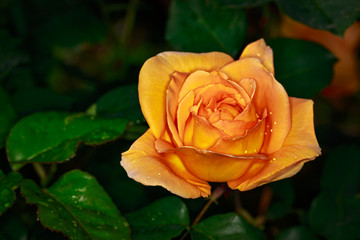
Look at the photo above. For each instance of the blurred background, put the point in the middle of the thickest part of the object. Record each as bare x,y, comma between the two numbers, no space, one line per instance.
85,56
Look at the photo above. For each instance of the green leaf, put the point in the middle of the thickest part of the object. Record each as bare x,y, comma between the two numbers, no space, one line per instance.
9,183
163,219
54,136
297,233
283,198
7,116
335,16
77,206
121,102
228,226
203,26
303,68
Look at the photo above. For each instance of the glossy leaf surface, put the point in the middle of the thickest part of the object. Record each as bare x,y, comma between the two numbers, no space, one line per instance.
54,136
225,226
163,219
77,206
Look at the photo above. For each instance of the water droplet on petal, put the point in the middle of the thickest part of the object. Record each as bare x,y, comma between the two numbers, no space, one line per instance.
275,123
147,177
245,151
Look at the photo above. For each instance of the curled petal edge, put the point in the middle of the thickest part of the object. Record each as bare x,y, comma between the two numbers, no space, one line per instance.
143,164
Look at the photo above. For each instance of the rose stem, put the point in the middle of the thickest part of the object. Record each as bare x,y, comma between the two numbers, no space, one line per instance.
40,171
265,199
241,211
216,194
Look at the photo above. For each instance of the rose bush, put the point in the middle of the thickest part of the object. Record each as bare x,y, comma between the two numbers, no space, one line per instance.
213,119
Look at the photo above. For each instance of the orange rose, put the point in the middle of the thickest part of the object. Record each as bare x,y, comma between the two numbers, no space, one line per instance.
213,119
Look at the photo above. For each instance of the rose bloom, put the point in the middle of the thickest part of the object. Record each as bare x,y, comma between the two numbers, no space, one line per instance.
213,119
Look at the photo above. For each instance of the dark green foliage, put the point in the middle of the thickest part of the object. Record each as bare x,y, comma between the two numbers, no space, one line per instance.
335,212
121,102
335,15
204,26
300,64
7,116
297,233
226,226
163,219
54,136
8,184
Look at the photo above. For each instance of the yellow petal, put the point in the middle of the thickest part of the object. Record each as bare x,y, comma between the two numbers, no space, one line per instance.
201,78
260,50
204,134
269,95
299,147
155,77
219,91
251,143
211,166
238,127
144,164
183,113
216,167
172,96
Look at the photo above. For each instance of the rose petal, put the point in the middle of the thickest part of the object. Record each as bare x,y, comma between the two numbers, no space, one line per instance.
238,127
144,164
155,77
269,95
172,96
183,112
201,78
219,167
260,50
219,91
251,143
299,147
204,134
